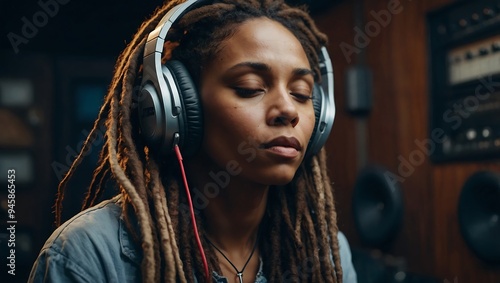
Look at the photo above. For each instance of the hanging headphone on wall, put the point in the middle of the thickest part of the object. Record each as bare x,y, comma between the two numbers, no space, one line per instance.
170,110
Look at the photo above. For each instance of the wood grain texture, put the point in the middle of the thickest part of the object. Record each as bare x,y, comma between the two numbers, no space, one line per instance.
429,240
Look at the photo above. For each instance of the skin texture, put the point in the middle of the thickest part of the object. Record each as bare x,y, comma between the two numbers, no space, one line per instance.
256,89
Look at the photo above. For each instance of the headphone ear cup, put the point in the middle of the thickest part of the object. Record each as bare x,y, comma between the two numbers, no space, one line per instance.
193,115
317,99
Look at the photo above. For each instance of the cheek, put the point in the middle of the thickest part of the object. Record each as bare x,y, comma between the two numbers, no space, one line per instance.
308,123
228,124
227,115
239,123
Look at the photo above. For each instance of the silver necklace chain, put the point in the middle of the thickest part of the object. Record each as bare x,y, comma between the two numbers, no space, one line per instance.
238,273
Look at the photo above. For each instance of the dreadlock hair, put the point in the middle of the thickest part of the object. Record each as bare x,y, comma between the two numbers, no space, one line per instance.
302,217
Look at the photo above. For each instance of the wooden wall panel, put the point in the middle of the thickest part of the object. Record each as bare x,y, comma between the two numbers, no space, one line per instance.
429,240
408,91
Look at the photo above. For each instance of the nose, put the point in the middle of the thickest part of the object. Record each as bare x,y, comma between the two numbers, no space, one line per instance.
282,109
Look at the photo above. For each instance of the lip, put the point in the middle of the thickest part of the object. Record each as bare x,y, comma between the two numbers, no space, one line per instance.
283,146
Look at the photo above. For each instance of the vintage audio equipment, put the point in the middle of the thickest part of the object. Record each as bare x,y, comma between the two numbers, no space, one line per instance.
464,67
377,207
478,214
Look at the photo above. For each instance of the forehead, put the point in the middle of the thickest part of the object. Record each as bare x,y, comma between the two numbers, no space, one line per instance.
263,40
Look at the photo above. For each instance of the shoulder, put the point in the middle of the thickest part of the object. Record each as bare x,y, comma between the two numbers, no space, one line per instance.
345,250
96,225
92,244
349,274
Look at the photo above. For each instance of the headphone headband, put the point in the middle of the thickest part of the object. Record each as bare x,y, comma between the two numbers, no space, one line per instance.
156,38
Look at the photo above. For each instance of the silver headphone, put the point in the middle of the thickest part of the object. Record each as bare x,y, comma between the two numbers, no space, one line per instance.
170,111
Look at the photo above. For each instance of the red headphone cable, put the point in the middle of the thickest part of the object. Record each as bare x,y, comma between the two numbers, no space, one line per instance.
193,218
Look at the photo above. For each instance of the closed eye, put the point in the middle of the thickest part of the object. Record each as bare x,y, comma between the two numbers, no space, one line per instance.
301,97
248,92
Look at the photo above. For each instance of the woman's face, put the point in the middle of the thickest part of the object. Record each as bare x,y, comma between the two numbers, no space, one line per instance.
258,112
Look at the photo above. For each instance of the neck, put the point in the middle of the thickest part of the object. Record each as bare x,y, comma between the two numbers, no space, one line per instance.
233,217
232,220
233,207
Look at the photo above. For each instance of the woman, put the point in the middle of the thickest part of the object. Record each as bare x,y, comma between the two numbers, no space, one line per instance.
264,204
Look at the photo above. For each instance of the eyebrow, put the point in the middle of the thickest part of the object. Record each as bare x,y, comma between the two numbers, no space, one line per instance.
253,65
261,67
301,72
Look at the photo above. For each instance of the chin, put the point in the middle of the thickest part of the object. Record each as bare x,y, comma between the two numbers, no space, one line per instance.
280,179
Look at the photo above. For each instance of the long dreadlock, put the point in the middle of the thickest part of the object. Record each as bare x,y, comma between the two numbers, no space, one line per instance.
302,214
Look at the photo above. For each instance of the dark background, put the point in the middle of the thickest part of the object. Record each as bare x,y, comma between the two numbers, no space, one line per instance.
89,28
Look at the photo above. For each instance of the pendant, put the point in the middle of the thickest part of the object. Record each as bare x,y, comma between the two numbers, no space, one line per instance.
240,276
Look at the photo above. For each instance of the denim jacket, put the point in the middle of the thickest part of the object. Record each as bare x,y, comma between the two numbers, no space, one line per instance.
95,246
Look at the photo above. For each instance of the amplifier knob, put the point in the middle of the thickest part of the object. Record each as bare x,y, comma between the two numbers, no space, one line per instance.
488,12
469,55
471,134
497,142
486,132
495,46
463,23
475,18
